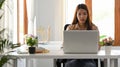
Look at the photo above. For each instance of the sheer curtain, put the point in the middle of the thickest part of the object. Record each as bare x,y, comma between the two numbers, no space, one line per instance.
31,16
10,19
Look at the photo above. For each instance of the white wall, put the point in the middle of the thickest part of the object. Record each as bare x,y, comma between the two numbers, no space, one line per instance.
50,12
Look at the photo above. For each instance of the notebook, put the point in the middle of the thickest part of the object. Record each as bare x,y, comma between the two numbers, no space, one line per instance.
81,41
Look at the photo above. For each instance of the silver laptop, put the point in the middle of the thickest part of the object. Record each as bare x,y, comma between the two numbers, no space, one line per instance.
81,41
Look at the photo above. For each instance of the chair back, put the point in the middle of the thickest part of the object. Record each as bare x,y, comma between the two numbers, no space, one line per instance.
65,27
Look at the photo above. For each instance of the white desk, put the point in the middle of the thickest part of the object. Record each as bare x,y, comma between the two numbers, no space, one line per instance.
57,53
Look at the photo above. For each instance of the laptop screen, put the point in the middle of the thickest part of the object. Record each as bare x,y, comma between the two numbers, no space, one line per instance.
81,41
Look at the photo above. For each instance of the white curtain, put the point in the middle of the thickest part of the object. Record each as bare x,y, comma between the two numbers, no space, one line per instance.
10,19
31,16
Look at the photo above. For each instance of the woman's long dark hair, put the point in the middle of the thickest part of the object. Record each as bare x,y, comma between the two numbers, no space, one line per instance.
88,23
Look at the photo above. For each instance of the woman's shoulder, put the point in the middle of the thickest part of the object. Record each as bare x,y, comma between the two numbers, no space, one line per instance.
94,27
72,27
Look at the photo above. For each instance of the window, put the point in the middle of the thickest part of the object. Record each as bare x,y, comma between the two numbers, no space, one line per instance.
15,19
70,9
103,16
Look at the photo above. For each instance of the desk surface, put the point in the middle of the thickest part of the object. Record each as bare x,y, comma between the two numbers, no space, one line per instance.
57,52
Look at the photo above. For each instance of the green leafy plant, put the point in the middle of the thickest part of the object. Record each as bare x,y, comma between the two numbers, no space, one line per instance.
1,3
5,59
31,40
101,39
1,10
106,41
4,43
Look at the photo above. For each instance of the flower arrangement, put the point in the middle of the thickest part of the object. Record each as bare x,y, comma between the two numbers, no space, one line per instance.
31,40
106,41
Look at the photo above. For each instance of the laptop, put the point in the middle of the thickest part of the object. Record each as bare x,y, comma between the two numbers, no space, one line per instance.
81,41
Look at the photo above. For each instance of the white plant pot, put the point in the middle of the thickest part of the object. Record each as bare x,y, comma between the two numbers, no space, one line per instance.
108,49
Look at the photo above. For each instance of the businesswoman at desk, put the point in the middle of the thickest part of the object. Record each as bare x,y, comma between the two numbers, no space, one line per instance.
81,21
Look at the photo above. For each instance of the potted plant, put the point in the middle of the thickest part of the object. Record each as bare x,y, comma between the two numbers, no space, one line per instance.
106,41
31,41
5,44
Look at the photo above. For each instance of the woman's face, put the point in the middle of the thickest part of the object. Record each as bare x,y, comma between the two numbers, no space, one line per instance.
81,16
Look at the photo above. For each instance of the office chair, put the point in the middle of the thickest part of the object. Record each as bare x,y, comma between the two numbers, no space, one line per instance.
65,27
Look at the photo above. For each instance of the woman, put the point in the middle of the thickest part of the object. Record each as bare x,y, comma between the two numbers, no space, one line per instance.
81,21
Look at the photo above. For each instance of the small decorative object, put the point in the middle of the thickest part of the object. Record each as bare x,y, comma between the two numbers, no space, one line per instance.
31,41
106,41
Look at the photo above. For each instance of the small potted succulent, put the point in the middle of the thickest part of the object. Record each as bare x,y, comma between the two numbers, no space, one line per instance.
31,41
